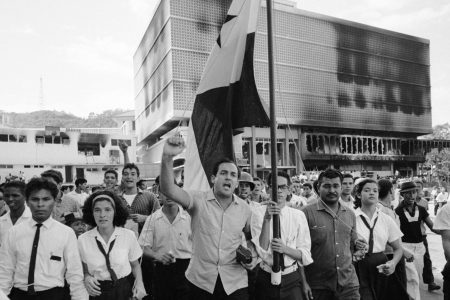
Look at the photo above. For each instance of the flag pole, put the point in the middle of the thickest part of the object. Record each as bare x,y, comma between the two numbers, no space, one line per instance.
276,270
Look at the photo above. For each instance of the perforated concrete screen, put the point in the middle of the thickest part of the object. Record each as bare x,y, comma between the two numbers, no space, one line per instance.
329,72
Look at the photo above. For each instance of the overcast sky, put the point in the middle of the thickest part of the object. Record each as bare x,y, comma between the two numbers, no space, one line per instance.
84,49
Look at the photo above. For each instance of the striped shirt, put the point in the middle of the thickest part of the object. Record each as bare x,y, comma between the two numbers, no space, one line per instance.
145,203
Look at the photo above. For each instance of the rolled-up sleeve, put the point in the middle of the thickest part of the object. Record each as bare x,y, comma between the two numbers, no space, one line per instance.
304,241
256,222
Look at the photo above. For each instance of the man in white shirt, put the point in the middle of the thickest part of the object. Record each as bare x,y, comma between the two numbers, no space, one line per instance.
442,224
167,239
294,245
40,253
79,194
14,195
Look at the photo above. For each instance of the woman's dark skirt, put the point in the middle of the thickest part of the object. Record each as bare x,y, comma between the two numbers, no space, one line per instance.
120,290
376,286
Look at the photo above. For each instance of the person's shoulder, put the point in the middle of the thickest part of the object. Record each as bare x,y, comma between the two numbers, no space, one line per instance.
297,213
85,236
127,233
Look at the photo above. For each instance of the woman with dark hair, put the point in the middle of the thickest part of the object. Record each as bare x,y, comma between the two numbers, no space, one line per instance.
109,252
379,230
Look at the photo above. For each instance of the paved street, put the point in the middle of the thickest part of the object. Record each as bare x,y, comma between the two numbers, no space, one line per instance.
438,259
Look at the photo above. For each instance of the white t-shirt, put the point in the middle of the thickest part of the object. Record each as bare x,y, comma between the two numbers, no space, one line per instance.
129,198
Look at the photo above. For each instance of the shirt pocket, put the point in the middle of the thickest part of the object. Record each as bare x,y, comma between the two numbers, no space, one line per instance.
318,234
55,263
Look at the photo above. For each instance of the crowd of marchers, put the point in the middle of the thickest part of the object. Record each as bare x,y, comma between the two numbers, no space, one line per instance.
340,237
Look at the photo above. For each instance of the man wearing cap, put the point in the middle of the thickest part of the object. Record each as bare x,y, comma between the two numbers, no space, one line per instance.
246,186
428,277
411,215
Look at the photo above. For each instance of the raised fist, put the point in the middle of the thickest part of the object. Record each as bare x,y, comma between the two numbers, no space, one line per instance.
174,145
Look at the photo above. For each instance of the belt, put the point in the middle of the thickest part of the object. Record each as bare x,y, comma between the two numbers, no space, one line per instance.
107,285
287,270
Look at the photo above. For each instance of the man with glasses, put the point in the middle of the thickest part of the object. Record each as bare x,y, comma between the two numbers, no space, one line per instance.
294,245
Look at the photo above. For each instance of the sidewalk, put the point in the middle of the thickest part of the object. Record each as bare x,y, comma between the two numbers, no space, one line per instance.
438,259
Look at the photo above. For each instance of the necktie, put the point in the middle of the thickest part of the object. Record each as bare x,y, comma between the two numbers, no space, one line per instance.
371,233
106,255
31,290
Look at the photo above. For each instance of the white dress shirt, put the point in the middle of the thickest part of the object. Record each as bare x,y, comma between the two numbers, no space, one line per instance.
6,223
294,234
57,258
164,237
386,230
125,250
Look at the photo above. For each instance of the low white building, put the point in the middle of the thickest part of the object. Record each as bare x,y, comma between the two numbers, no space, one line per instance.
75,152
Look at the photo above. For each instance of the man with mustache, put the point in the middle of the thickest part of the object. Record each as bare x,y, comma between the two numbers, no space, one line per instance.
334,242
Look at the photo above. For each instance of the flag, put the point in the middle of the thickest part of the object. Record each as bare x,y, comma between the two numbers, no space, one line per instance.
227,99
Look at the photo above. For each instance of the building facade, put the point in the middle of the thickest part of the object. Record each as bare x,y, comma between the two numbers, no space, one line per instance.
75,152
348,95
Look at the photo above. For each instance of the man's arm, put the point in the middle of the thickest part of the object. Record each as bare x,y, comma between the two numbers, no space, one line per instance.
430,225
74,273
445,235
7,263
173,146
124,148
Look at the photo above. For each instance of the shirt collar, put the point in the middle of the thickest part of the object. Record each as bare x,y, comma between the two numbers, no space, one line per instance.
210,196
321,205
97,235
47,223
159,213
359,212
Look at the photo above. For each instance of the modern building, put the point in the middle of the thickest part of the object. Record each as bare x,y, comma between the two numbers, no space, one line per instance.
348,95
75,152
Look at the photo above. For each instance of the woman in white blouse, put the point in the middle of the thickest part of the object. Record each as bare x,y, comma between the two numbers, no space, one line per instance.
110,252
379,230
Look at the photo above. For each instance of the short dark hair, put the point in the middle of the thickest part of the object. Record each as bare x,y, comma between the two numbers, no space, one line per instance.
131,166
224,160
120,212
111,171
56,175
307,184
347,175
384,187
80,181
39,183
330,174
279,174
20,185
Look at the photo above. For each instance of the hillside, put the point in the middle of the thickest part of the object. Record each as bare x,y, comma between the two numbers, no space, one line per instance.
38,119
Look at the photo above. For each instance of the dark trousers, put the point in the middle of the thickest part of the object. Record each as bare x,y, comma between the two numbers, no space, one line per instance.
170,282
289,289
372,284
56,293
121,290
147,274
398,281
427,273
252,274
446,275
341,293
196,293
